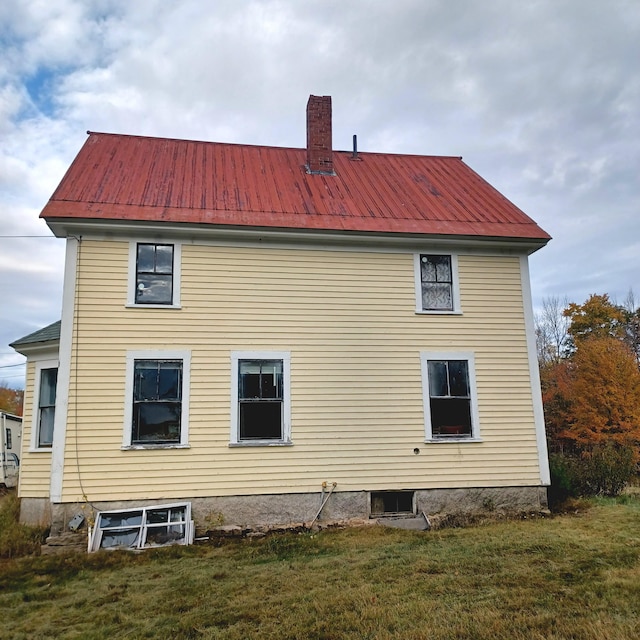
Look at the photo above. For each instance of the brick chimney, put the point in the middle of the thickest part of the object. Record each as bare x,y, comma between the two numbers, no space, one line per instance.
319,147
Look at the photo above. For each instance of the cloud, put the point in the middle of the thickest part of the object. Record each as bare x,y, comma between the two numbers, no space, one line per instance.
540,97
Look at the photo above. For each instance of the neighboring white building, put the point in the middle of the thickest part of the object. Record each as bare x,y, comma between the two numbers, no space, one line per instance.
10,438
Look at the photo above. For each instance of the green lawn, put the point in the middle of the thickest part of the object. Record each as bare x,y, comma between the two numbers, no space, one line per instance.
573,576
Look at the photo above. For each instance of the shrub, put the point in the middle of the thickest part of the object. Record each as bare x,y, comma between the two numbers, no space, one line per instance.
601,471
17,539
607,469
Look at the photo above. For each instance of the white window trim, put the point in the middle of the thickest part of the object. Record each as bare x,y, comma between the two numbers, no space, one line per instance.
35,420
132,356
457,310
97,533
131,282
425,356
285,356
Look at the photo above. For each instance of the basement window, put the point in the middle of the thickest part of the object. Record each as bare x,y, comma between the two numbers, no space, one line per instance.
143,528
392,503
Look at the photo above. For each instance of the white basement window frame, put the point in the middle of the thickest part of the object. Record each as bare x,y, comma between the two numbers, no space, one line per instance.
436,279
133,357
146,276
148,527
439,426
280,361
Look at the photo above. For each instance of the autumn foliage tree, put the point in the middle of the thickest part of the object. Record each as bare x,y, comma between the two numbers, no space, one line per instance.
591,396
10,399
594,398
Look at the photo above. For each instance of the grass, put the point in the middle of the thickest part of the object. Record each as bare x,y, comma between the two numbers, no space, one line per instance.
568,577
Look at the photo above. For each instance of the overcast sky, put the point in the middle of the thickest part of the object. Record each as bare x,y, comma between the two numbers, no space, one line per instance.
541,97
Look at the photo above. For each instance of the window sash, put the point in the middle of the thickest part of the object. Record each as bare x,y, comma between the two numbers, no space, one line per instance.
145,527
449,395
436,280
47,406
154,273
157,401
260,400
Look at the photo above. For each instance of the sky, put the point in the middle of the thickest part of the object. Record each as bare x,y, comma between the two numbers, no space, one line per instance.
540,97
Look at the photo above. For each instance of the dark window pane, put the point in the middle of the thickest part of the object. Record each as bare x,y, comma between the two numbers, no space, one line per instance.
164,534
458,378
158,516
450,417
126,519
45,429
146,257
437,297
443,268
145,380
154,288
48,384
261,420
437,373
156,422
124,538
260,379
249,385
164,258
169,381
427,269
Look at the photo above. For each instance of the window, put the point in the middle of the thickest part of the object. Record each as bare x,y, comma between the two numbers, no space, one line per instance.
154,274
157,399
449,396
144,527
7,438
260,398
436,283
46,407
392,503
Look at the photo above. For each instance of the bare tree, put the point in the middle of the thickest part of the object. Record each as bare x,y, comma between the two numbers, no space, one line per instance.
552,330
632,324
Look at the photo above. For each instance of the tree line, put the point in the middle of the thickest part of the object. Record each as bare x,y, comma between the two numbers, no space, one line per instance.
589,358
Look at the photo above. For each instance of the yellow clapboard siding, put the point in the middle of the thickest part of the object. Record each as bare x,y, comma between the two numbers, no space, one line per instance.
348,320
35,466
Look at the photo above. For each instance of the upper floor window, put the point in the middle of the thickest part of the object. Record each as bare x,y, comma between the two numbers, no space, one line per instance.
449,396
157,398
436,283
46,407
260,398
154,274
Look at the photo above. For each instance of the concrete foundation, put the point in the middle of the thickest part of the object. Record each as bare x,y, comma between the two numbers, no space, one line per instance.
283,510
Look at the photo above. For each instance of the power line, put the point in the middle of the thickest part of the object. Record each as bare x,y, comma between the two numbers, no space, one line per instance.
51,237
8,366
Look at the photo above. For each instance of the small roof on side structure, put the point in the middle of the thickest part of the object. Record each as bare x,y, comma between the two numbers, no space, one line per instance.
49,333
138,179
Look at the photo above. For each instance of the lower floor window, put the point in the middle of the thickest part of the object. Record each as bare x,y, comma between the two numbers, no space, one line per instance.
449,396
46,406
260,397
156,413
157,401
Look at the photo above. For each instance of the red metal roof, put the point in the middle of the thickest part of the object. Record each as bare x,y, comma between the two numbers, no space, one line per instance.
133,178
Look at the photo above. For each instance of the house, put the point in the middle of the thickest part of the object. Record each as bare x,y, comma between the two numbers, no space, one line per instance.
10,436
262,331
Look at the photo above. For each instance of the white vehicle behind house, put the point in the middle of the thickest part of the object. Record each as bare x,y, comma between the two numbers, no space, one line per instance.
10,436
